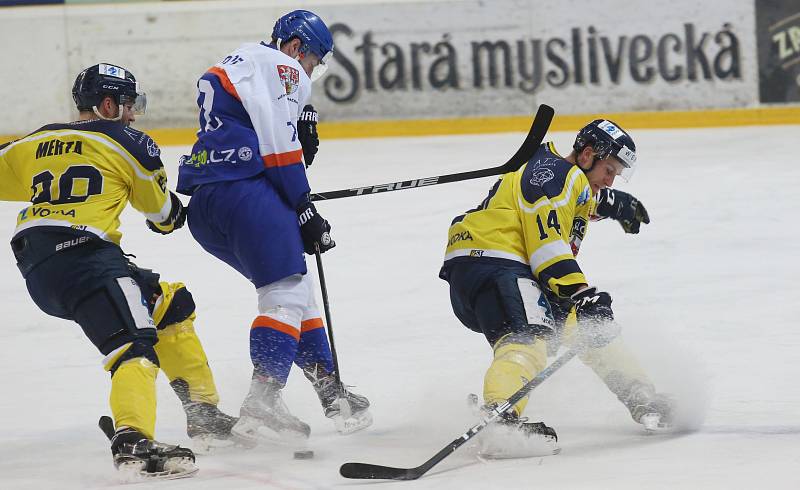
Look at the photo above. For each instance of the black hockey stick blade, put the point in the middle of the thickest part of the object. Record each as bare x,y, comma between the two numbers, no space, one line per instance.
107,426
537,132
378,472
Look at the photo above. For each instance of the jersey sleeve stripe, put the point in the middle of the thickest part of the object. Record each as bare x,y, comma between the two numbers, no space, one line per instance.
225,81
561,269
263,321
548,252
283,159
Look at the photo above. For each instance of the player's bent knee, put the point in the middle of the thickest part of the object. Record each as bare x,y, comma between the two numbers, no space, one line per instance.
175,305
286,299
522,349
142,347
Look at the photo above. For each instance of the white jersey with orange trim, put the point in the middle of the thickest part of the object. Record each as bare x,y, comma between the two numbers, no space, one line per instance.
249,104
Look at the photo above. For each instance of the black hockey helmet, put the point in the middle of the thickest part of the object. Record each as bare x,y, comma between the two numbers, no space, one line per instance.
106,80
607,139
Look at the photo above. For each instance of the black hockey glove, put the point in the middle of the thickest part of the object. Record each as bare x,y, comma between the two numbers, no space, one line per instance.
176,219
596,327
622,207
314,229
307,133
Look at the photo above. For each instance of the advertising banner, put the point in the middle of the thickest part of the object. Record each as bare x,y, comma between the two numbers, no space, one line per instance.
778,33
471,58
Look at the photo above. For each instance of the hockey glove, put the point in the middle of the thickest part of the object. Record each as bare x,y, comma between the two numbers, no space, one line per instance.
176,219
622,207
307,133
314,229
596,327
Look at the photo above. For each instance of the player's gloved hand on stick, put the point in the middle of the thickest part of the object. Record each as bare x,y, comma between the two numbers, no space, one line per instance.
622,207
314,229
176,219
307,133
596,326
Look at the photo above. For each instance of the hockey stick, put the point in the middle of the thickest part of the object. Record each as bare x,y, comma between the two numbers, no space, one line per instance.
344,406
374,471
525,152
106,424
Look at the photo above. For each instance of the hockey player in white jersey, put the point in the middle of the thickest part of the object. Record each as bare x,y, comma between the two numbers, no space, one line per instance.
250,207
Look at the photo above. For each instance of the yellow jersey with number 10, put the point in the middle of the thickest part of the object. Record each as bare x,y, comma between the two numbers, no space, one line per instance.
81,175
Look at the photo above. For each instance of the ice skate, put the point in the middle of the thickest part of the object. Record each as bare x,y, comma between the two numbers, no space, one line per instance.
511,436
349,411
264,408
137,457
653,410
207,426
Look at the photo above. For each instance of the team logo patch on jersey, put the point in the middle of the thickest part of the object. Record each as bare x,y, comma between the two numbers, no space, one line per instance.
583,198
541,176
290,78
152,148
541,173
577,234
245,154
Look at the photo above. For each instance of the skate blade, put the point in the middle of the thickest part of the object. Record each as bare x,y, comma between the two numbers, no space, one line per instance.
250,434
211,444
354,423
652,423
499,442
174,468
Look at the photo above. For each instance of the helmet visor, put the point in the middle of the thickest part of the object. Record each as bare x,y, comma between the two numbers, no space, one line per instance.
321,67
138,101
627,158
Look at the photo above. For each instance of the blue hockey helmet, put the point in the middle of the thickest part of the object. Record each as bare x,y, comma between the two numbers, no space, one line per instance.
105,80
313,34
608,139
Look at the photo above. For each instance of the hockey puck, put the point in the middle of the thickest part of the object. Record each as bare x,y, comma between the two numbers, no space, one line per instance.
303,454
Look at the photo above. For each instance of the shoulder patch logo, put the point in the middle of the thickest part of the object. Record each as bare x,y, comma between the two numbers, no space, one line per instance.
584,196
541,176
152,148
290,78
540,171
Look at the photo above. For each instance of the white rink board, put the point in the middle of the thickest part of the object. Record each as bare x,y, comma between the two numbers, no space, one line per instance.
707,295
400,60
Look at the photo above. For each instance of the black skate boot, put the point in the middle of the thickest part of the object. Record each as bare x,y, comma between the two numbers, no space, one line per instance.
653,410
264,407
511,436
137,457
349,411
206,425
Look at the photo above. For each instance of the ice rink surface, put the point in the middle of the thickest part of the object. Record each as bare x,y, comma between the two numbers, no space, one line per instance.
707,295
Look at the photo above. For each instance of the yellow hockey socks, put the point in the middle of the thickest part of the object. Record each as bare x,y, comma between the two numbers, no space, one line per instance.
515,363
179,350
133,395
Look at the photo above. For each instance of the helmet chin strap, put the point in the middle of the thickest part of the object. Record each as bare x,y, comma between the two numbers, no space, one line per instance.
97,113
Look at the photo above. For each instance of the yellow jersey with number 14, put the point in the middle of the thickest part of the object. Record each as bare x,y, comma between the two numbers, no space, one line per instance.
81,175
537,216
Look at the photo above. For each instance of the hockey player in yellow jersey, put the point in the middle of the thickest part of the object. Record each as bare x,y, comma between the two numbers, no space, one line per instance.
78,177
513,275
